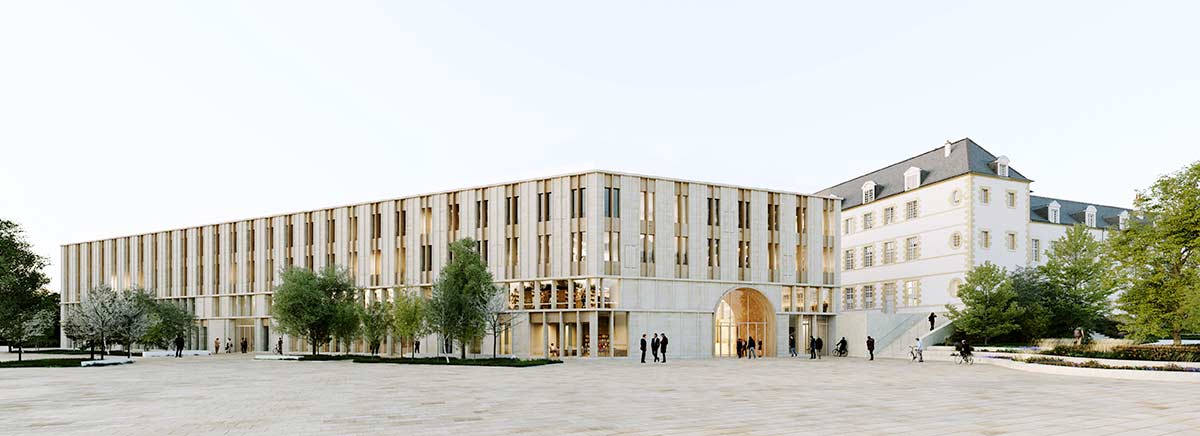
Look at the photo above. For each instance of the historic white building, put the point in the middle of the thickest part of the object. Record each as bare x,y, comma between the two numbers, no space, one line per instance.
911,231
590,261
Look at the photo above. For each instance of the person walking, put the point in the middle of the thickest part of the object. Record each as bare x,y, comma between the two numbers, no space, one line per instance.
792,345
643,348
871,347
417,346
178,346
245,344
279,346
750,348
820,345
662,347
932,318
217,346
741,347
228,345
920,350
812,347
654,347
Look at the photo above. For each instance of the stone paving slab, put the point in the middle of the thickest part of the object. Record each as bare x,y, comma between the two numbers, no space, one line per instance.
235,395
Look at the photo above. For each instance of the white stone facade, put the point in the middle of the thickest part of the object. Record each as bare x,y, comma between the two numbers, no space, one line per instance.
589,258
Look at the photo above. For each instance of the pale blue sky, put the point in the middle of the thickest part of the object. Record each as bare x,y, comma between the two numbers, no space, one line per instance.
128,117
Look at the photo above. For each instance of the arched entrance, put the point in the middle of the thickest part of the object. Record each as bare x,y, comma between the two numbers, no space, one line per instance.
743,313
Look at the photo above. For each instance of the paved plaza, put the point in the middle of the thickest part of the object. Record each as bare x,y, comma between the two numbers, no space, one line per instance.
238,395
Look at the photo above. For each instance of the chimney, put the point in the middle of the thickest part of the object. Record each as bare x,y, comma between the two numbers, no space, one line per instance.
946,148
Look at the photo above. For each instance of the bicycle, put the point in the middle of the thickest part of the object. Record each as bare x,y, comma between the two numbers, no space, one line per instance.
840,352
960,358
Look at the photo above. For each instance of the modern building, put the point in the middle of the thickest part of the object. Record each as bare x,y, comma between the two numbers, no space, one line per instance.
590,261
912,230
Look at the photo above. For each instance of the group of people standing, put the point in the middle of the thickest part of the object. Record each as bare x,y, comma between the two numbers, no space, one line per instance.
750,348
245,345
658,345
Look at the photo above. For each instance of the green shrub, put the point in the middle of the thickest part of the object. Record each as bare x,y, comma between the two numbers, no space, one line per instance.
1164,353
43,363
453,361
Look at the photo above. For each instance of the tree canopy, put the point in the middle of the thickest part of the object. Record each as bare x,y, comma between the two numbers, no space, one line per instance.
990,307
1157,261
458,309
1077,273
377,321
309,305
411,320
22,313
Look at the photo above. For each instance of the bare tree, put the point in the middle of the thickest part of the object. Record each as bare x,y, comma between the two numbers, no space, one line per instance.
499,320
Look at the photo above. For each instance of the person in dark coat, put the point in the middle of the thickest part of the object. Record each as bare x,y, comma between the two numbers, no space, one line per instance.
741,347
178,346
932,318
662,347
792,345
812,348
871,347
820,345
654,347
244,345
643,348
750,348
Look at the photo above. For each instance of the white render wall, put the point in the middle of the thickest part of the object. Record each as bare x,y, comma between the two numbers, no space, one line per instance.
938,263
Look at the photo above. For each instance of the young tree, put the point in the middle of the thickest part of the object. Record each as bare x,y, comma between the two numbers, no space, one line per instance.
307,304
167,321
1035,295
458,309
1158,259
990,306
131,317
95,319
377,321
1077,270
410,320
499,320
21,281
347,325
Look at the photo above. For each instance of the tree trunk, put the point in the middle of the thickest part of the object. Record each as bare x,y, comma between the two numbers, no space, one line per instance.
494,346
462,349
92,351
314,347
20,352
1177,338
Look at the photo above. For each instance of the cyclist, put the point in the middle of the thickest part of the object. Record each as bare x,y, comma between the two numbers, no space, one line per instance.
842,347
965,349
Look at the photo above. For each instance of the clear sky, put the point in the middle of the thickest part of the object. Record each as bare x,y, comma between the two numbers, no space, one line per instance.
128,117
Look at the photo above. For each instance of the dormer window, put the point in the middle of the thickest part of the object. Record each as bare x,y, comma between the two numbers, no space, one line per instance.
1123,221
1090,216
868,192
1053,212
1002,166
912,179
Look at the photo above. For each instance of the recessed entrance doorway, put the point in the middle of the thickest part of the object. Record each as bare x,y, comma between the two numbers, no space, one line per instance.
744,314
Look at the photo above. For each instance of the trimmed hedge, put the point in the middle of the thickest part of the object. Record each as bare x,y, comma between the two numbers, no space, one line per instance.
1097,365
43,363
1158,353
509,363
81,352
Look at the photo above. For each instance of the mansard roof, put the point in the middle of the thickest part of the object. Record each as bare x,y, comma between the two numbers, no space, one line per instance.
1074,212
965,157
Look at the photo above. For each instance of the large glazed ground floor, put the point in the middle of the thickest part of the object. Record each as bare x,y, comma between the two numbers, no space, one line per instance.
577,317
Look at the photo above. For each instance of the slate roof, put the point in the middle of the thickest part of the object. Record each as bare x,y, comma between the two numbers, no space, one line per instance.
965,157
1073,212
